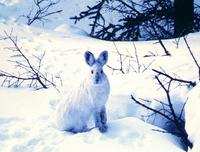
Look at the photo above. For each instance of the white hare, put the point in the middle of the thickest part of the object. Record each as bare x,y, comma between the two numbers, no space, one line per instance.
87,100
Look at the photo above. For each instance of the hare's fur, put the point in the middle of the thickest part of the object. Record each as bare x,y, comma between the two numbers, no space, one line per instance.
87,100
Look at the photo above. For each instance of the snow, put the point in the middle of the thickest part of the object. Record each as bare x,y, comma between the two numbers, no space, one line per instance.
40,134
27,116
9,2
28,125
192,117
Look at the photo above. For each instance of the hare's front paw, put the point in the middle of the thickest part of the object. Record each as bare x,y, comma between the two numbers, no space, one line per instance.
103,128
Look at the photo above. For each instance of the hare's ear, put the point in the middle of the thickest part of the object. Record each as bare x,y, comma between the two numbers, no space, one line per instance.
89,58
103,57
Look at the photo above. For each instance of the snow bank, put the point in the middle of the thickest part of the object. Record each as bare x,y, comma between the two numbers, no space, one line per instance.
192,116
27,124
9,2
27,116
124,135
17,9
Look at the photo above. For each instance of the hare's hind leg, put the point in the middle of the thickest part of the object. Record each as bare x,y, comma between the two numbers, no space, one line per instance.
78,129
101,120
72,130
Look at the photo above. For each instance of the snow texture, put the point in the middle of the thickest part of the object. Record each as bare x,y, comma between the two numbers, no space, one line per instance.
192,117
27,117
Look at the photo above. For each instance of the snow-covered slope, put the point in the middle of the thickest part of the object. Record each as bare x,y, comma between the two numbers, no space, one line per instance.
16,10
27,116
192,117
27,125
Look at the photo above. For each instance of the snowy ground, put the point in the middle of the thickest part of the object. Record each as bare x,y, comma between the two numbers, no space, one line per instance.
27,121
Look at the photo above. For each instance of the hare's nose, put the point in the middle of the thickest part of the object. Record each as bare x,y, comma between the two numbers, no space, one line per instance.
97,78
97,81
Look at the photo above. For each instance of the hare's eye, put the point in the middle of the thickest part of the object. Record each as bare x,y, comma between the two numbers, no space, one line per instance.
101,71
92,71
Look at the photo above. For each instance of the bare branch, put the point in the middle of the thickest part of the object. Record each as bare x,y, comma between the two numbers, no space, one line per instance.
137,59
41,11
130,64
164,48
167,110
192,55
189,83
120,61
32,75
149,108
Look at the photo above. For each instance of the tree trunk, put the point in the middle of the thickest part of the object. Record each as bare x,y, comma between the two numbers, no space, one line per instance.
183,17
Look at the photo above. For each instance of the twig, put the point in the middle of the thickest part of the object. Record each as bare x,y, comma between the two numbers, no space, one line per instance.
159,40
149,108
137,59
177,41
170,113
167,90
31,74
193,57
163,46
190,83
41,11
120,61
162,131
140,68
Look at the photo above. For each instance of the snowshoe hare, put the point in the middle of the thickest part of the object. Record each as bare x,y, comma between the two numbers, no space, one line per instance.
87,100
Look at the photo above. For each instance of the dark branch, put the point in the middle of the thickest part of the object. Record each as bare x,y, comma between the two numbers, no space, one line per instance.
193,57
31,75
41,11
149,108
167,110
189,83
